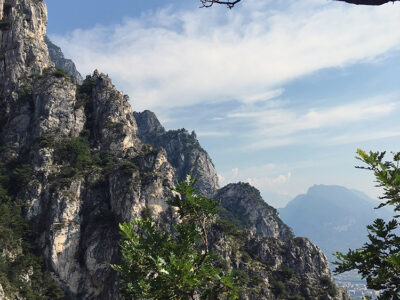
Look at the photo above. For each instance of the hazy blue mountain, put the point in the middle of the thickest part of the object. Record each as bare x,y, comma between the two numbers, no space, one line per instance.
333,217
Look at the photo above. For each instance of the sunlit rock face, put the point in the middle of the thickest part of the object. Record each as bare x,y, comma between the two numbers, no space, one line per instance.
95,163
22,48
245,202
184,152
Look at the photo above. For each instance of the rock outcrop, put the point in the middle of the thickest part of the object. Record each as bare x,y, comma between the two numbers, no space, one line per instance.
183,151
88,171
84,164
57,56
22,48
243,205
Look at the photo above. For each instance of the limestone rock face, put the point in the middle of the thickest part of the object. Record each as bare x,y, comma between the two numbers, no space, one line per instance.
61,62
148,124
39,111
75,211
243,202
50,124
183,151
22,48
2,295
112,121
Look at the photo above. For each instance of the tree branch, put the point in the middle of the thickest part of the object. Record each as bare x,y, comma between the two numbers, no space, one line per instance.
368,2
228,3
232,3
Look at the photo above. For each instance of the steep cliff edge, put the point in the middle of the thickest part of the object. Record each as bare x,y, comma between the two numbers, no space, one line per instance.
85,169
243,206
22,47
183,151
78,159
57,56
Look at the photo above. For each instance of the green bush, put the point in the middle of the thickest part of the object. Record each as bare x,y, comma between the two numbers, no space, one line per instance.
255,280
74,152
284,272
60,73
240,277
46,141
128,167
279,288
20,177
225,226
179,265
237,219
328,285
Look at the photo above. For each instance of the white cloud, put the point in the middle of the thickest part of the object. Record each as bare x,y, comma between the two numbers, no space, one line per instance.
275,188
263,96
284,126
212,133
170,59
268,182
371,135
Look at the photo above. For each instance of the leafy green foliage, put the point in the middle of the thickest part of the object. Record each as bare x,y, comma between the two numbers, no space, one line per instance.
378,261
56,72
235,218
83,93
279,289
20,176
328,285
74,152
159,265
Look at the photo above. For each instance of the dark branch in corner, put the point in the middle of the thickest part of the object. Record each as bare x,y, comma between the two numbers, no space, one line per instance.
229,3
368,2
232,3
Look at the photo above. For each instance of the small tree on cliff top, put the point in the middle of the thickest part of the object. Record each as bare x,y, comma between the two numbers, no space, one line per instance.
160,265
378,261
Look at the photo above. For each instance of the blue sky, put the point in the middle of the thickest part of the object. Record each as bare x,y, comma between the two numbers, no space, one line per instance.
280,93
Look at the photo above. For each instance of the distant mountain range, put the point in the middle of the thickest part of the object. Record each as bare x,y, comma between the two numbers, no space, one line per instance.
333,217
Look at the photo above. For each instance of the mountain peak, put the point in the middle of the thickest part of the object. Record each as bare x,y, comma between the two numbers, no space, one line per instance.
22,47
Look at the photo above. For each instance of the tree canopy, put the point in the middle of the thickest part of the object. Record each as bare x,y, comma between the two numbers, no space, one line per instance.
178,265
378,260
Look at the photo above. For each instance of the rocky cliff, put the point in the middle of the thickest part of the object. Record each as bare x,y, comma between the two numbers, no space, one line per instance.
77,160
57,56
243,206
183,151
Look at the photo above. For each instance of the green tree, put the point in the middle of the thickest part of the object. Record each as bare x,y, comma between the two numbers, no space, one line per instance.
160,265
378,260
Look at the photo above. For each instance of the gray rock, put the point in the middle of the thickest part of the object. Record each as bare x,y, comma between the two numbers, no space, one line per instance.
22,48
183,152
244,206
2,295
148,124
61,62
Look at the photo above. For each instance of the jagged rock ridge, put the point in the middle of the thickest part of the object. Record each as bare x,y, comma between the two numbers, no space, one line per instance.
183,151
90,169
61,62
243,203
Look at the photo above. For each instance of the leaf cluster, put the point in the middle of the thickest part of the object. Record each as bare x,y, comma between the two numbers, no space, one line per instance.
160,265
378,260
